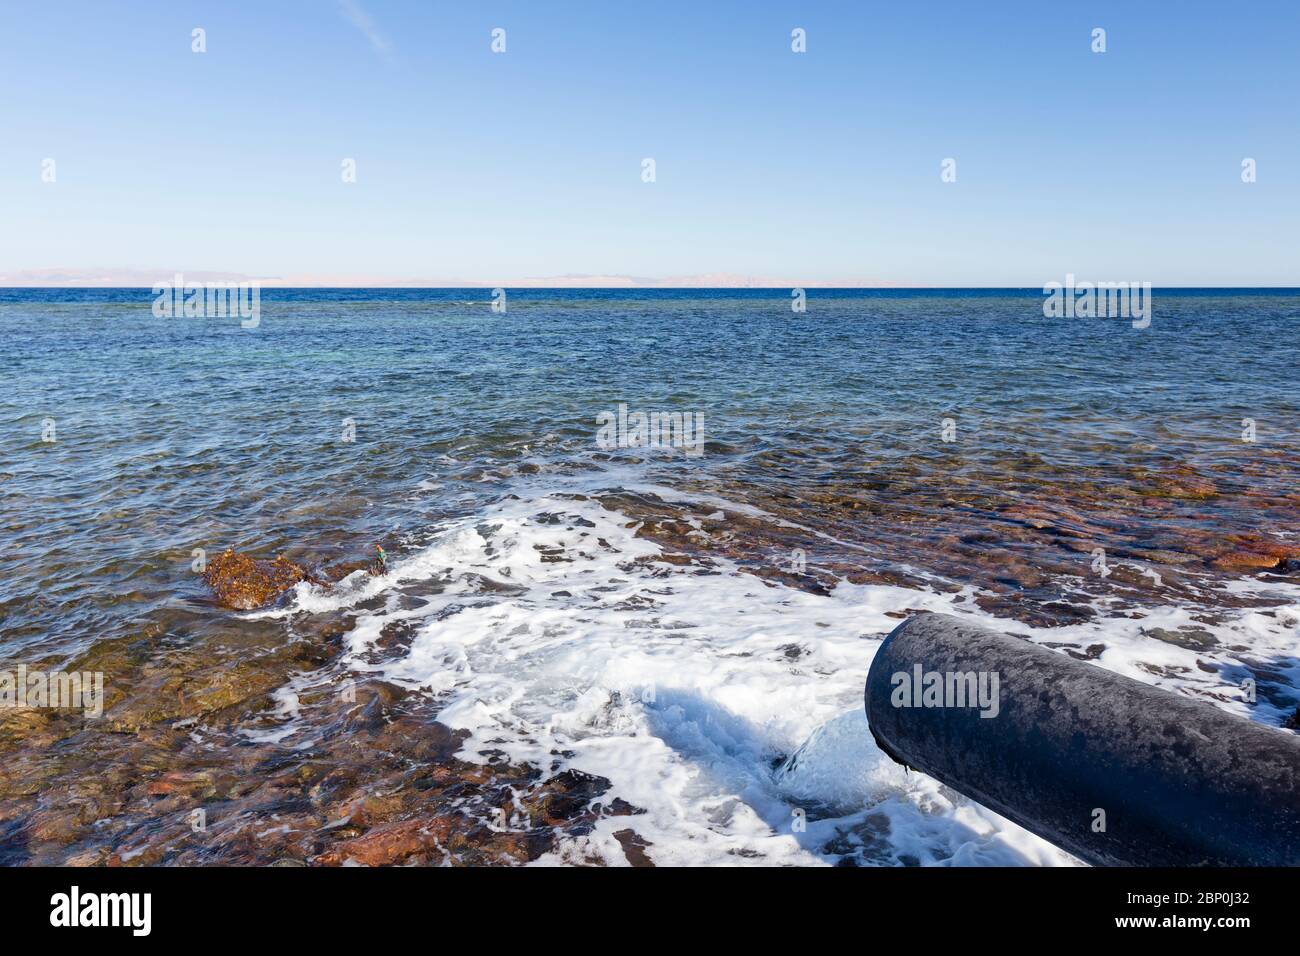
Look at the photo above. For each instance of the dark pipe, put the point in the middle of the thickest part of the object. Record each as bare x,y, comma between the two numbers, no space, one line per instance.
1181,783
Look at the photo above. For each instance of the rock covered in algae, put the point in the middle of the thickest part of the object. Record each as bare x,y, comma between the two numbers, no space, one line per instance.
244,583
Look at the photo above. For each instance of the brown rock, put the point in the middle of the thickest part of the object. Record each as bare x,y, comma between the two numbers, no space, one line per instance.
185,783
634,846
1254,553
54,825
371,810
92,857
564,798
391,843
245,583
1186,483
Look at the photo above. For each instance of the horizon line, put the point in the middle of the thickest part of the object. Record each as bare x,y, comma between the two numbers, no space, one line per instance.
136,277
610,288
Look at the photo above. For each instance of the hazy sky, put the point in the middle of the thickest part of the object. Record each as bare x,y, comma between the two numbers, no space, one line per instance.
817,166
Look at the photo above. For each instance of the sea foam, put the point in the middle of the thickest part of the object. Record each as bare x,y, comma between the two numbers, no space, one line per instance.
727,707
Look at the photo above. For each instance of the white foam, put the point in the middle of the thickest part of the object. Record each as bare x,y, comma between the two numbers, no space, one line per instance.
724,706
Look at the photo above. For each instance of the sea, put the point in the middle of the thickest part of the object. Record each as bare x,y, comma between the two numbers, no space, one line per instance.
639,549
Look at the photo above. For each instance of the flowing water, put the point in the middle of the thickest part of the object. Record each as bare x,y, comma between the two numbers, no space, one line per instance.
593,654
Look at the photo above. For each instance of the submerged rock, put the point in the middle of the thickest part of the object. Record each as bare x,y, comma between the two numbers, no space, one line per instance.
634,847
565,798
392,843
244,583
1192,638
1255,552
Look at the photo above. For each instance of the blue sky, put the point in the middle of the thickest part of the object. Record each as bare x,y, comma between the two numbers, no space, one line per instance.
816,167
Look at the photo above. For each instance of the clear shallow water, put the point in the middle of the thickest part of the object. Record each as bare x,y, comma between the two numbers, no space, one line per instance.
625,613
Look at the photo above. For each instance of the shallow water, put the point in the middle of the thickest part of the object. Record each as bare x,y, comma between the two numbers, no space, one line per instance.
676,625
